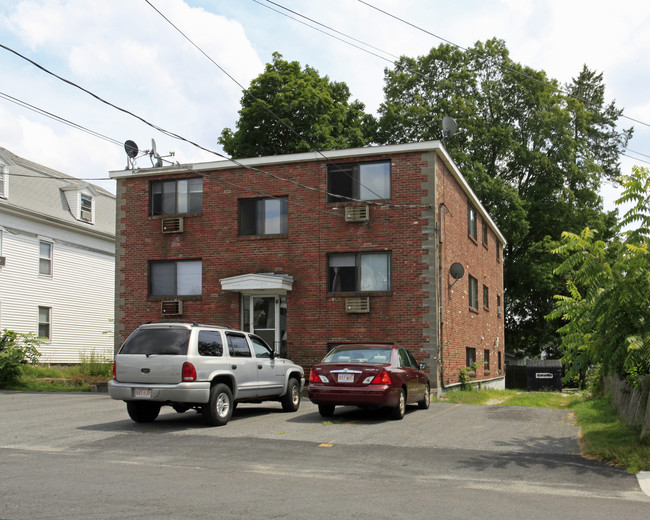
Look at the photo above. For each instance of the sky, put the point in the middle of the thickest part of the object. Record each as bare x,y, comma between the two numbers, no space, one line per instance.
181,65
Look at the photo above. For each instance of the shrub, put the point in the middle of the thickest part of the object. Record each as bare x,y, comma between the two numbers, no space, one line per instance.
16,350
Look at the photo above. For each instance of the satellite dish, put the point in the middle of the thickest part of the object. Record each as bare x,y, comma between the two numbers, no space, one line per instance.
131,149
154,153
456,271
449,126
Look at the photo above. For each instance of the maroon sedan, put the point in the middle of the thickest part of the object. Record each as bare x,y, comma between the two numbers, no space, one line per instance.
369,376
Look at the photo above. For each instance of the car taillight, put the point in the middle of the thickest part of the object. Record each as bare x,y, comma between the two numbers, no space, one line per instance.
314,377
381,379
114,370
189,372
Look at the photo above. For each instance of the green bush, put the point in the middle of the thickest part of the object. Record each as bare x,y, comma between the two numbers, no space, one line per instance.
16,350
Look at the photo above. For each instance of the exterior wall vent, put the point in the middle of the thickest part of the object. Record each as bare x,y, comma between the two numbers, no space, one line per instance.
171,308
357,305
3,260
357,213
172,225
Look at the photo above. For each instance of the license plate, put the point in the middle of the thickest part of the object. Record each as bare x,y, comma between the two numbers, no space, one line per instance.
143,393
346,378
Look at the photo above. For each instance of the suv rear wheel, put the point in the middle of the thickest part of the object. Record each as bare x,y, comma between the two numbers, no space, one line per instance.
218,410
291,400
142,411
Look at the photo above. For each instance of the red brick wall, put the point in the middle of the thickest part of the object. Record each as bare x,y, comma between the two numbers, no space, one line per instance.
462,326
314,318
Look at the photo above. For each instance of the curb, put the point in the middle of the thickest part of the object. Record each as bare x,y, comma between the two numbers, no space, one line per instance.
644,481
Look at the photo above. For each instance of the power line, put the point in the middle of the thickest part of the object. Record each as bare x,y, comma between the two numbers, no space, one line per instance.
562,91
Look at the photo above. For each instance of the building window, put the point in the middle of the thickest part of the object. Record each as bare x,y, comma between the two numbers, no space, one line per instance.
484,228
263,216
486,360
170,279
498,305
358,272
177,196
498,248
45,258
499,360
4,181
471,221
44,322
486,297
470,356
473,292
86,208
354,182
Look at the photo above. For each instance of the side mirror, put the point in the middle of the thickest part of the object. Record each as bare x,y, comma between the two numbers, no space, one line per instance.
423,366
273,354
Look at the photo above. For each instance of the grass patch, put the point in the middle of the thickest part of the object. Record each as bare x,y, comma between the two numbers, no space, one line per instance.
603,435
69,378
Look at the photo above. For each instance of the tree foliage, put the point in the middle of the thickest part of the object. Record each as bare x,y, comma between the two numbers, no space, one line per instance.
535,156
16,349
606,312
288,109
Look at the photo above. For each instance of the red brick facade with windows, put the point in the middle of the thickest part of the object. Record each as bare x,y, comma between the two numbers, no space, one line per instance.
420,227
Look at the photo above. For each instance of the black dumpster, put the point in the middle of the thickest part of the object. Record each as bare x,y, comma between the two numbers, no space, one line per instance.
544,374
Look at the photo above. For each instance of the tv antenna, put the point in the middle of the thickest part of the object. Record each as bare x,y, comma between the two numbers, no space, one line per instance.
132,152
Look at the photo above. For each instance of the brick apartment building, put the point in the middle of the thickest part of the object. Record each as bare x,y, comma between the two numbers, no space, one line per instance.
383,244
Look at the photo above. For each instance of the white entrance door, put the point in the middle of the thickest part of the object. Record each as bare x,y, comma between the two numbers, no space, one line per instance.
266,316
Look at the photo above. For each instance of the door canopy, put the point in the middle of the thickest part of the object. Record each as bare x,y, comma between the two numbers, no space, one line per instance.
256,283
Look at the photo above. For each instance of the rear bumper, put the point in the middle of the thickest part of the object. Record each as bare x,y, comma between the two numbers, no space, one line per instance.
372,395
196,392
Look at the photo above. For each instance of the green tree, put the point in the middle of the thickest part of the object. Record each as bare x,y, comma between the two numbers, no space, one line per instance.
535,157
16,349
288,109
606,313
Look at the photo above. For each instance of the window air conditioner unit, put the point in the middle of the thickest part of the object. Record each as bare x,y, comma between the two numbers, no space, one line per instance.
172,225
3,260
357,305
499,310
171,308
357,213
86,215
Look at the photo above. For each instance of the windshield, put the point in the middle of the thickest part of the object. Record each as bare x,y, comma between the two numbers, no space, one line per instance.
358,355
166,342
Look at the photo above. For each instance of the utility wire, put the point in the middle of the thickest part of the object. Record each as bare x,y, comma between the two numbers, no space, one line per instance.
559,89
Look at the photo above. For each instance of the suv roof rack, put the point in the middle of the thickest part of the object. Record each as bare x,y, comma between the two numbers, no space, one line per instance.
193,323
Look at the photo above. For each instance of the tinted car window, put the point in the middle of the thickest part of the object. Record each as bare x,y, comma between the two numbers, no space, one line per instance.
262,350
210,343
404,360
238,346
168,342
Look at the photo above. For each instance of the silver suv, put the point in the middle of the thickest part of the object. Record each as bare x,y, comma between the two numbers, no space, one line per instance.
205,367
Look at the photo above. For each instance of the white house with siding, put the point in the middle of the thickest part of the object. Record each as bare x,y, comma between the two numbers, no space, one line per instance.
57,260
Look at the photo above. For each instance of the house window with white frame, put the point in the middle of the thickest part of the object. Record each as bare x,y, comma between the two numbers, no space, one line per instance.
178,278
45,250
267,216
86,207
358,182
45,322
358,272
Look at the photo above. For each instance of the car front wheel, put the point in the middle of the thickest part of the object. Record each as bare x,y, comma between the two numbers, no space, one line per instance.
218,410
291,400
142,411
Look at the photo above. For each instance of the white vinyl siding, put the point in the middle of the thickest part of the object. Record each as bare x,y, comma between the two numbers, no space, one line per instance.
80,296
